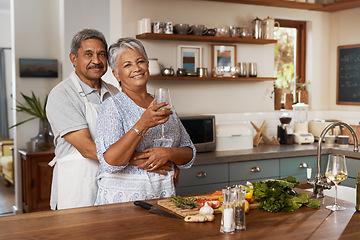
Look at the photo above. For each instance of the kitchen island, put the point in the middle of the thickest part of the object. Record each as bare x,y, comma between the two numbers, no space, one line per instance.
127,221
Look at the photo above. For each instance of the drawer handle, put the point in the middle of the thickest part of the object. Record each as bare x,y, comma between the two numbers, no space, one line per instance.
255,169
303,165
201,174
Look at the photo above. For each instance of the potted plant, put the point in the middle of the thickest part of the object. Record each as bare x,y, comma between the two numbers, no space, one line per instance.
302,92
32,106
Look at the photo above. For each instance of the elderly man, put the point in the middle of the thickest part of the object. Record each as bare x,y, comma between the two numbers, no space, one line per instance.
72,112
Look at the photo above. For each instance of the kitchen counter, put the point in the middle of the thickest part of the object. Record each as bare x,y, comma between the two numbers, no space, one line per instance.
126,221
272,151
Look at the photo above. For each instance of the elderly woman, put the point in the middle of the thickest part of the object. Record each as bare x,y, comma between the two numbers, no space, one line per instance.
131,166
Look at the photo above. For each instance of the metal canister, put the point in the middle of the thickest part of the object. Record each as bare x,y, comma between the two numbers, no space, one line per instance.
257,25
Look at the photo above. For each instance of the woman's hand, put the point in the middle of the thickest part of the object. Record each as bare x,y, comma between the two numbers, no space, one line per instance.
154,158
140,163
153,116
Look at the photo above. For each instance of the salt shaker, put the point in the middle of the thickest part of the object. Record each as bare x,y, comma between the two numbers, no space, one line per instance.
239,207
228,216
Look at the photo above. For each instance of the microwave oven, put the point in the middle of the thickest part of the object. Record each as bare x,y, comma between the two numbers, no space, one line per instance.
202,131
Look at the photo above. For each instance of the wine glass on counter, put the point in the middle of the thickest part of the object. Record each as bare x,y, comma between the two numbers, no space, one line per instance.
163,95
336,172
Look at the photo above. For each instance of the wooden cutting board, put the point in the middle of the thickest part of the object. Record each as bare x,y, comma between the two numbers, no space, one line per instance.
166,203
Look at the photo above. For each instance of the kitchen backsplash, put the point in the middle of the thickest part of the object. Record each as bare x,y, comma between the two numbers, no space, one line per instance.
272,119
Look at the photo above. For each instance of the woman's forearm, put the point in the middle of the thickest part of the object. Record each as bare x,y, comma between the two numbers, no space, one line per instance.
120,153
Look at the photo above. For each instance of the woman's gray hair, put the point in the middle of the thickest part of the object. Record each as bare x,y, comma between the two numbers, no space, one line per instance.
123,44
85,34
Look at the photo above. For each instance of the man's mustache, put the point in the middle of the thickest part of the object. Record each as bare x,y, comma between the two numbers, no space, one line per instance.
96,66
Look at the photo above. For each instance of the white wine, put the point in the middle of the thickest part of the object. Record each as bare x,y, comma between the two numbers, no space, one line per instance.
165,108
337,177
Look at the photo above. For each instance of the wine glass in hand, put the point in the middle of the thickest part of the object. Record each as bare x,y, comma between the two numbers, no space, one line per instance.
336,172
163,95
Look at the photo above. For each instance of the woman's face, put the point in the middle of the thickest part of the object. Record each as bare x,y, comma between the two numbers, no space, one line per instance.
132,69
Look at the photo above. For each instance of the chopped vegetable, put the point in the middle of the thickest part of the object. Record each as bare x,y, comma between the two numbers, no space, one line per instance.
184,203
278,195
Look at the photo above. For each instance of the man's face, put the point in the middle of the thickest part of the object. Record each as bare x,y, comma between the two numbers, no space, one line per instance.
90,64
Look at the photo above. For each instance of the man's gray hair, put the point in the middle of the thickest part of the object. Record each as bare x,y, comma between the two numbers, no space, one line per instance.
85,34
123,44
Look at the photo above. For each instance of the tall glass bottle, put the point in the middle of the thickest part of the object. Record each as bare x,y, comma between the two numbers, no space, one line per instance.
358,192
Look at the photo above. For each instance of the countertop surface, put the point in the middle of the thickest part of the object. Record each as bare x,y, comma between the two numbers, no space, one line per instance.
273,151
127,221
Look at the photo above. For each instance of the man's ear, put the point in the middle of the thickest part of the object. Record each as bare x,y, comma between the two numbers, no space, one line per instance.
73,59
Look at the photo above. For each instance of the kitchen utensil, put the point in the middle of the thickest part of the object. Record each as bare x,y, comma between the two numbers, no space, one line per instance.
252,69
228,214
181,72
260,135
158,27
154,67
167,71
330,140
242,69
336,171
268,25
168,28
211,32
239,207
182,28
245,33
234,31
151,209
222,31
198,30
301,129
201,72
146,25
256,27
343,140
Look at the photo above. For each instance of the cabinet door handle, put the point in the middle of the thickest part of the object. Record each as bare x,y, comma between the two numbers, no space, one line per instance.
201,174
303,165
255,169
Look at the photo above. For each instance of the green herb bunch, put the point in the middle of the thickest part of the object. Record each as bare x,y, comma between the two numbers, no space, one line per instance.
279,196
184,203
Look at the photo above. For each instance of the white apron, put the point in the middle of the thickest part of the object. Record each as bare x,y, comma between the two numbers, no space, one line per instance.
76,175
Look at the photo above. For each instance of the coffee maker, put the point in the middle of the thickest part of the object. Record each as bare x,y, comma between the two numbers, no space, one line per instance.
284,131
301,130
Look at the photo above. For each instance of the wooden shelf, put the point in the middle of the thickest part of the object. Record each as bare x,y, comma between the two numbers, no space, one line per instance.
332,7
193,78
180,37
337,6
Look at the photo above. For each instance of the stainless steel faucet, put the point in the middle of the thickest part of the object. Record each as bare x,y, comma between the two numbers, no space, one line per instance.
318,184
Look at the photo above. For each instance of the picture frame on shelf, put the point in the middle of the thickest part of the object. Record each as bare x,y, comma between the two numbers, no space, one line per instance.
189,57
223,56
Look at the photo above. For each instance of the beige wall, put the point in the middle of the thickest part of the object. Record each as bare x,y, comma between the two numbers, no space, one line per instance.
225,97
344,31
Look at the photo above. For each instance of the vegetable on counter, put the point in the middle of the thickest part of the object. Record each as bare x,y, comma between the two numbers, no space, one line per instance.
278,195
184,203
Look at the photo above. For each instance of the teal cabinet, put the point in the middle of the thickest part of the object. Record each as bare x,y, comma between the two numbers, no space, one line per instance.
297,166
203,178
252,171
353,167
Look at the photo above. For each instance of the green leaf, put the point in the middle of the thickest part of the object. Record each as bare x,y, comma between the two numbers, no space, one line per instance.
32,106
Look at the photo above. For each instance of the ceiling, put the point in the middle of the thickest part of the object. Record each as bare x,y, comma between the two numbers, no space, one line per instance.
5,4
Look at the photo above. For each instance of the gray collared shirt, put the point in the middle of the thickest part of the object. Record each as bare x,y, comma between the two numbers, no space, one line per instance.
66,111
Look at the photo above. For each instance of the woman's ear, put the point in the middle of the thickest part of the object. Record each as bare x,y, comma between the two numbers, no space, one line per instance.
116,75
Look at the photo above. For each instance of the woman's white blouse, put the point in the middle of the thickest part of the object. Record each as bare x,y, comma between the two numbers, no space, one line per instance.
117,115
